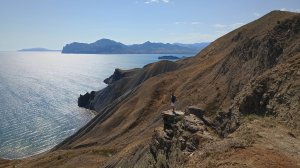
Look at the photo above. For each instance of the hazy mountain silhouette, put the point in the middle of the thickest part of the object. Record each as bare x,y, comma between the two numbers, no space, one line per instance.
195,45
36,49
107,46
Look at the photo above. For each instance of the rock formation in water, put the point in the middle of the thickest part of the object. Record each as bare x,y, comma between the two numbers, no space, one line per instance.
240,97
168,57
84,100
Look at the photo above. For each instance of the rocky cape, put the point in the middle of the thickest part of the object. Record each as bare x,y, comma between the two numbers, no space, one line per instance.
107,46
238,106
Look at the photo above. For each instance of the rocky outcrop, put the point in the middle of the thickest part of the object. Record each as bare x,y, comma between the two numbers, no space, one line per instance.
85,100
119,74
181,135
275,93
225,123
196,111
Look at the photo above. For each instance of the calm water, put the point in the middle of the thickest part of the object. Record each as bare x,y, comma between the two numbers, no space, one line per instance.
39,90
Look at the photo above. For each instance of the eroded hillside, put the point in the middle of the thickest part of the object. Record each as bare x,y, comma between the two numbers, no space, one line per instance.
247,82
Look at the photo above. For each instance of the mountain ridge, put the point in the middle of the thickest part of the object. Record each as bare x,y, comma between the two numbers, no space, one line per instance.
107,46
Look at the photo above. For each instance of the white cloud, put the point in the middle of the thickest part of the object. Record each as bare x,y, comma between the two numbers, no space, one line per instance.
191,37
237,25
187,23
222,29
283,9
178,23
221,32
219,26
291,10
229,26
196,23
157,1
256,14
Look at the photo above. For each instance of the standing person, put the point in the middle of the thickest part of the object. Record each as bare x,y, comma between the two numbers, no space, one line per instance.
173,100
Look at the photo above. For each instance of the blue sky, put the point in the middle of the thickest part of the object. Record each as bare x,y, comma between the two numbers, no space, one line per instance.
53,23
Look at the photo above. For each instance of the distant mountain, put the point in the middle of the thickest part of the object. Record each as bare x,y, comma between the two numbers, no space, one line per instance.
103,46
107,46
195,45
36,49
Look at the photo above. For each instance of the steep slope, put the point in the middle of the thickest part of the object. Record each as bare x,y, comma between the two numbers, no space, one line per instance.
252,71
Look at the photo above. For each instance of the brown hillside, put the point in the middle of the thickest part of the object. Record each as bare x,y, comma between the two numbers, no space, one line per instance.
251,75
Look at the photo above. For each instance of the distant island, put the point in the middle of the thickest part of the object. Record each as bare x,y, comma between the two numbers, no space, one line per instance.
107,46
168,57
36,49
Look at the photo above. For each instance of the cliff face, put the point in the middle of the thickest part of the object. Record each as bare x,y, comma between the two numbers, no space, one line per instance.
247,82
124,82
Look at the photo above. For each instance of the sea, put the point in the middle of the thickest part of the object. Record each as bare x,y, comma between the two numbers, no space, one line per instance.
39,91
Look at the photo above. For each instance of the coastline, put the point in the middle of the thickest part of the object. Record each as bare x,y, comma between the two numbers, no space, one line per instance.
131,117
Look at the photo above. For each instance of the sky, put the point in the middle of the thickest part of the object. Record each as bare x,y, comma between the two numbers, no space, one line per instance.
54,23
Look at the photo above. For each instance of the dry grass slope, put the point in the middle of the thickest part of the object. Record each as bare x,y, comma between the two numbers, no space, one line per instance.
252,71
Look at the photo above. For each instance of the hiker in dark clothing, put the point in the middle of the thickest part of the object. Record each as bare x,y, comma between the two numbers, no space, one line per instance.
173,100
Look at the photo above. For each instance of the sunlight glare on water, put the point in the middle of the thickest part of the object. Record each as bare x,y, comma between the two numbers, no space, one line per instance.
39,91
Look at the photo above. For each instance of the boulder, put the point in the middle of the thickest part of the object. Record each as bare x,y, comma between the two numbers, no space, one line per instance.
171,118
193,124
196,111
161,143
199,113
226,123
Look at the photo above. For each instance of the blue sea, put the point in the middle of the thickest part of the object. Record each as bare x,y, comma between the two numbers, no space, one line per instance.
39,91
